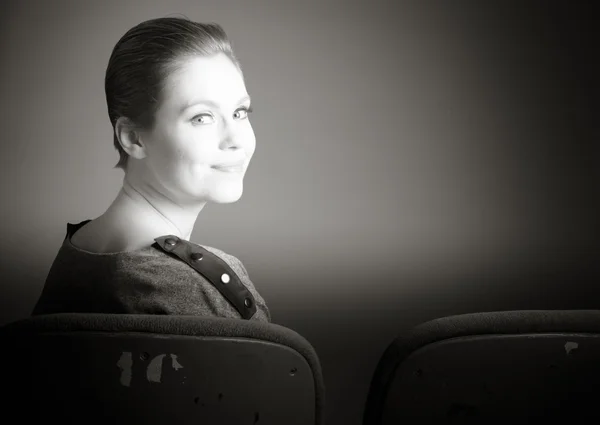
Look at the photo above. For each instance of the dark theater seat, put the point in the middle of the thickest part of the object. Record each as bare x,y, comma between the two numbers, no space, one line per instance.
139,369
510,367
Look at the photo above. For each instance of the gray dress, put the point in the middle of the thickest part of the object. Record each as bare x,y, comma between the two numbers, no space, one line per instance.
150,280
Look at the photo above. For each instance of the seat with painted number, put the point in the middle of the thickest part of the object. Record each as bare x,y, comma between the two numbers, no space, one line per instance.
154,369
511,367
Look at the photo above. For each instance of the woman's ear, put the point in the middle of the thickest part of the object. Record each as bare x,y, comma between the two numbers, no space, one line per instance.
129,138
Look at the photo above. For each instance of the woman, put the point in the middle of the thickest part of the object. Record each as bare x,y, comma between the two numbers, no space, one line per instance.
179,108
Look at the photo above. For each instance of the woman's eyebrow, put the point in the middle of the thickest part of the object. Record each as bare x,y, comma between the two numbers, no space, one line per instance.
209,102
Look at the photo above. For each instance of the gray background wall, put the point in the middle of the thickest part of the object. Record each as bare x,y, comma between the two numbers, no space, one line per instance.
414,160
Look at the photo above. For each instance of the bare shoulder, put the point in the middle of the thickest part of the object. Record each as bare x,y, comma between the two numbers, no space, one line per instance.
102,237
88,237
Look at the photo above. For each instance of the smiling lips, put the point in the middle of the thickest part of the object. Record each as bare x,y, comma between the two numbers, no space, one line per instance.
230,168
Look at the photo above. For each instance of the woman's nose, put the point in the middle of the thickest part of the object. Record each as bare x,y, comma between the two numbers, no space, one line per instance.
232,137
230,142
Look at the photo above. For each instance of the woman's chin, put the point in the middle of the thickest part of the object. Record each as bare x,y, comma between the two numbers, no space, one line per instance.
227,197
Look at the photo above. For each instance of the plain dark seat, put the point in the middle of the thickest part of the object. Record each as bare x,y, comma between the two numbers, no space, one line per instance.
512,367
151,369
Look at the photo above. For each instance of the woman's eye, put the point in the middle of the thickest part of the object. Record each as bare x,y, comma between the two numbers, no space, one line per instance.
242,113
203,119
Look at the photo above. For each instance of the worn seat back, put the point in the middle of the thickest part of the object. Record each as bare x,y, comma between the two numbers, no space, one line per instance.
139,369
512,367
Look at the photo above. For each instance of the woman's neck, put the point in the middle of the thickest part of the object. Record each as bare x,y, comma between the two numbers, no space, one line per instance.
150,214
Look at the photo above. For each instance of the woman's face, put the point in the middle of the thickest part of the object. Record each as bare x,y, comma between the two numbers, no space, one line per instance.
202,140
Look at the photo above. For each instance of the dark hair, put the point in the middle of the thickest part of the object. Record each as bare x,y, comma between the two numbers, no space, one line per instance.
142,60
